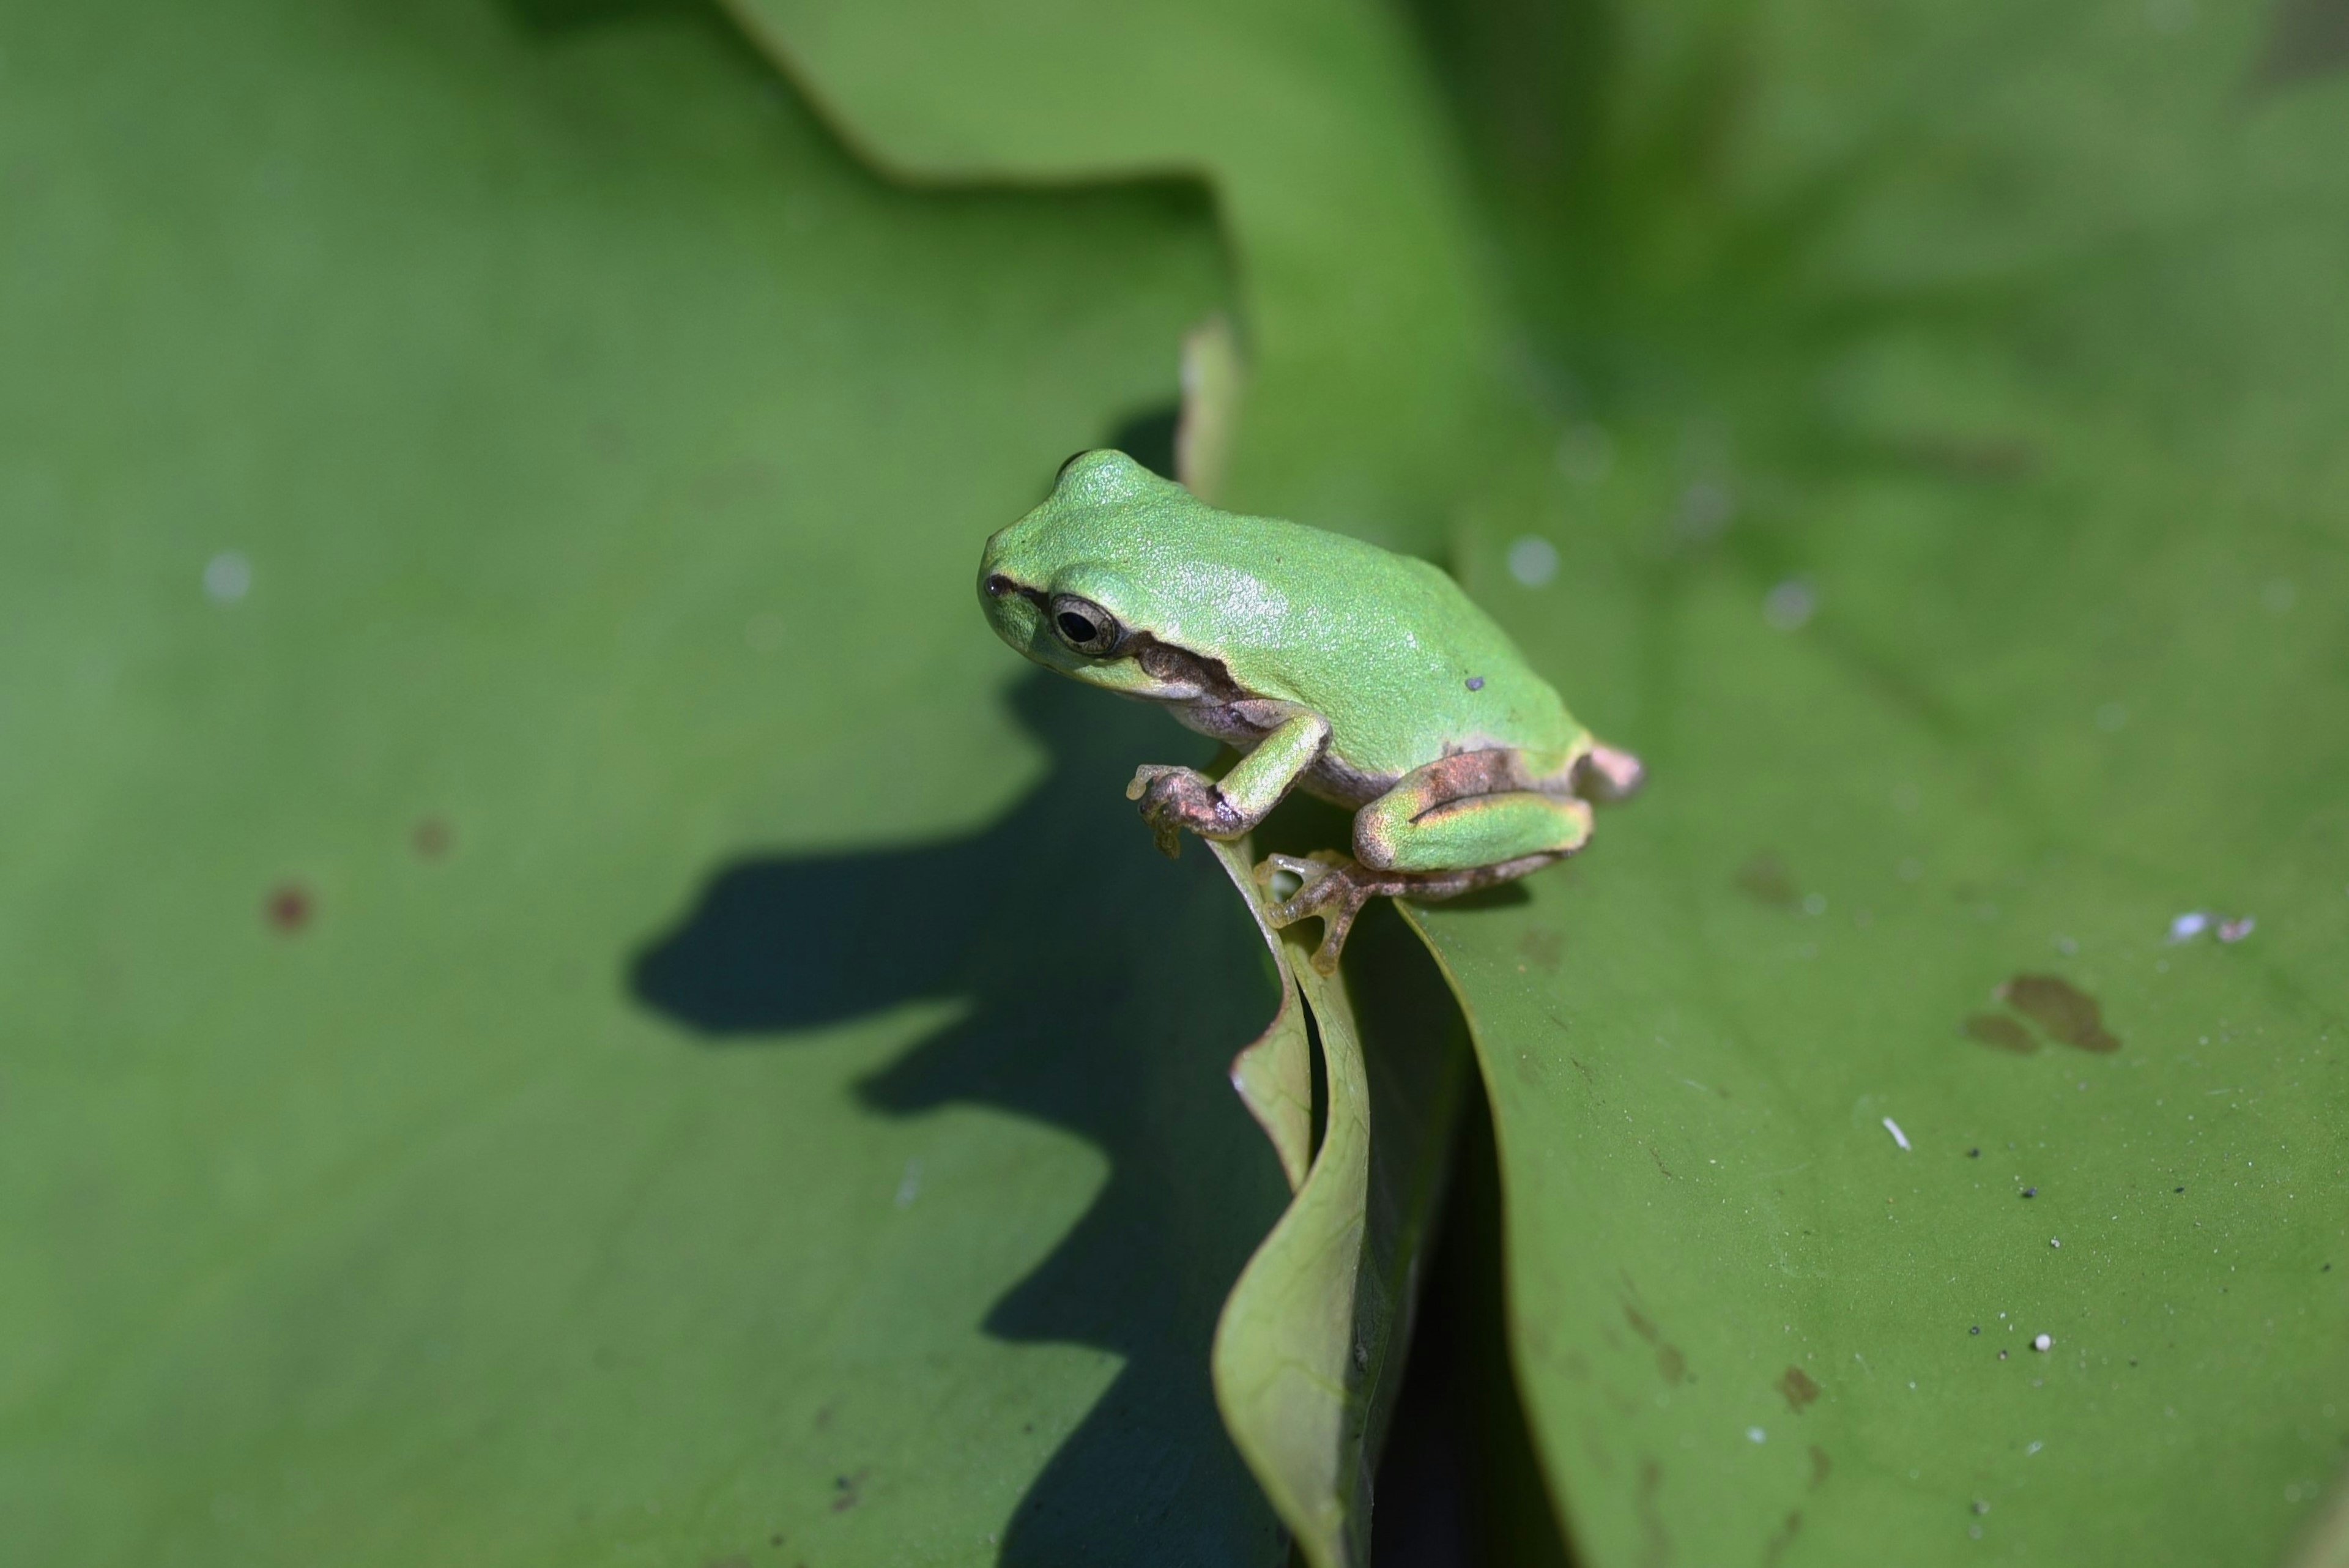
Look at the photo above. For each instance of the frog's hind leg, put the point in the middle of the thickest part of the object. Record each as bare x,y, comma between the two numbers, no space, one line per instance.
1442,830
1336,889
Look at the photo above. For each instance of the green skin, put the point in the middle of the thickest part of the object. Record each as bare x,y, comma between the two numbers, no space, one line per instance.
1360,675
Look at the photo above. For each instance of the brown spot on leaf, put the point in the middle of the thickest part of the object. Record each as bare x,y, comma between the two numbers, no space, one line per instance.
2055,1005
289,907
1962,457
2307,38
848,1490
1660,1163
1798,1388
1766,880
1670,1362
431,838
1783,1539
1819,1467
1657,1549
743,482
1997,1029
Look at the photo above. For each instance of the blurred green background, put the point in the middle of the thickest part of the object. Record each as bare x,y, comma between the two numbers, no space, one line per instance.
568,1003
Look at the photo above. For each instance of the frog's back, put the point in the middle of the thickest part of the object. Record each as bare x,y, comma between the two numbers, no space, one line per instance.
1403,663
1405,666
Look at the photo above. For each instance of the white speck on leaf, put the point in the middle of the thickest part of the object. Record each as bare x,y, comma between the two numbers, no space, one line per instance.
2042,1341
909,1184
228,577
1755,1434
1898,1136
1705,509
1790,605
1533,560
2236,930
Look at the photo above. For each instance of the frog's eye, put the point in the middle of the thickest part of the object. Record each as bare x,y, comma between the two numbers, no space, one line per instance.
1083,625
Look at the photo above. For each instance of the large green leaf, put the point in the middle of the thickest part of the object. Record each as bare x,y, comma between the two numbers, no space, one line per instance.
1950,510
473,476
1372,339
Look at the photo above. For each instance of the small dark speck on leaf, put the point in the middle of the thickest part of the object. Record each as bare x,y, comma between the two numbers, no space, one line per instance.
2031,1192
1766,880
2178,1190
1475,683
2002,1356
1976,1329
2061,1009
430,839
1798,1388
1997,1030
289,907
775,1540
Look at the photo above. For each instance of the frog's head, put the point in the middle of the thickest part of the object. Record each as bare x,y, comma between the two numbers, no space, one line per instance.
1067,584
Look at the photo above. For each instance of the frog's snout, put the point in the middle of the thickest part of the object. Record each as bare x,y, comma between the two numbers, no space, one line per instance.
1010,609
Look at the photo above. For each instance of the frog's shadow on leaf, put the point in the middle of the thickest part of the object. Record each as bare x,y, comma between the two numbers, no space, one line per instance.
1099,997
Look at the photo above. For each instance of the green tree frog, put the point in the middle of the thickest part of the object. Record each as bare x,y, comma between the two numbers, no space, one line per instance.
1365,678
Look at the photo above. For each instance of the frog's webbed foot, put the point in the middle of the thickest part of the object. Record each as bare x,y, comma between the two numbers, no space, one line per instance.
1175,798
1336,888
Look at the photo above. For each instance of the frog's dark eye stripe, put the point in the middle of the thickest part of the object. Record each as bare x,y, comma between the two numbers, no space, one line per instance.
1084,626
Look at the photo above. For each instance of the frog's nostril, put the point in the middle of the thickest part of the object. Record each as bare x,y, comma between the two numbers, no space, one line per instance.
997,586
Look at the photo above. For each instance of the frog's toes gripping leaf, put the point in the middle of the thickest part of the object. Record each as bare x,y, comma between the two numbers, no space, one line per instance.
1336,889
1175,798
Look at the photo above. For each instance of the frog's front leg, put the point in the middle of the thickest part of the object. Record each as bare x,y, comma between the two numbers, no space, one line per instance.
1175,798
1443,829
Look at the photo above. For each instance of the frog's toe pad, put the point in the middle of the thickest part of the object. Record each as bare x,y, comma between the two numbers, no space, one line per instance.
1173,799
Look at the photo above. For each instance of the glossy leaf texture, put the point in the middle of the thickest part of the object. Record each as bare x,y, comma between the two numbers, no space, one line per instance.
1311,1346
1921,1115
557,1014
